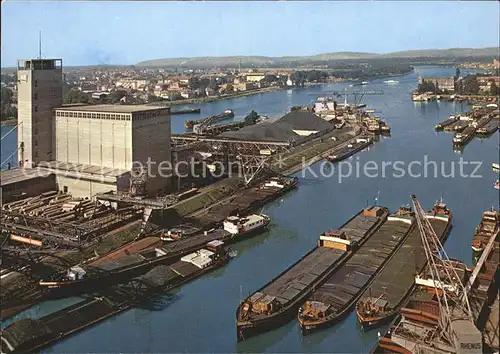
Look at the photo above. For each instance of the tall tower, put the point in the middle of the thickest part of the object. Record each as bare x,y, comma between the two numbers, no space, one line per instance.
39,85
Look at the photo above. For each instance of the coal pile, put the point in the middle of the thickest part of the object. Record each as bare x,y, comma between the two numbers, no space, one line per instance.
282,129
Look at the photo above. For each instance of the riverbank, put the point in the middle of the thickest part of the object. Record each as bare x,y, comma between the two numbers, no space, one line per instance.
8,122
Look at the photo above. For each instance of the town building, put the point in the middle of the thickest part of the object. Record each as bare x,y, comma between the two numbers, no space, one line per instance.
442,83
485,82
255,77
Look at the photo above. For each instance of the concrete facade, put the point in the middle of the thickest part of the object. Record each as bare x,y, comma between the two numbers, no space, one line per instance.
116,137
39,83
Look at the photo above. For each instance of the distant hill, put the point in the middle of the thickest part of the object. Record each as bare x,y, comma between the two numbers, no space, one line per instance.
255,61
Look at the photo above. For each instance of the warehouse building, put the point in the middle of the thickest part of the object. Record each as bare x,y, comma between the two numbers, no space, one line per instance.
108,140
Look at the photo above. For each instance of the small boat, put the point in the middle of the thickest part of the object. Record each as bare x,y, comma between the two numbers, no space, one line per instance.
391,82
495,166
497,184
364,82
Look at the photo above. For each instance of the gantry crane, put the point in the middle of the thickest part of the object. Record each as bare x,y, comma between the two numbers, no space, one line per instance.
452,297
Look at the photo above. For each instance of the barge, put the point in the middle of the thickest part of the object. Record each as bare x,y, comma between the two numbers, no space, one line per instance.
278,301
333,300
489,128
349,150
445,123
79,280
392,287
28,335
228,113
186,111
489,225
465,136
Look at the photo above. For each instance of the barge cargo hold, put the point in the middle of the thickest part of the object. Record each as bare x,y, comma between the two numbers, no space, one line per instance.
391,288
278,301
489,225
116,271
28,335
464,137
446,123
349,150
332,301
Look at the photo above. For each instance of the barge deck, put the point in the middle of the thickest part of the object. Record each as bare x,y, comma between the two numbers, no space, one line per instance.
333,300
278,301
394,284
350,149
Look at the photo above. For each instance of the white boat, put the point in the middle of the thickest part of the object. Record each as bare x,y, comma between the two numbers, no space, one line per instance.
364,83
497,184
236,225
495,166
391,82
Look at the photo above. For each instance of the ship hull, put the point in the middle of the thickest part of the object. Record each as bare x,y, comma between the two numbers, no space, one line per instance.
381,320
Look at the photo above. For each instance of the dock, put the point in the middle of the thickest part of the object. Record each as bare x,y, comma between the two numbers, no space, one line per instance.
392,287
333,300
278,301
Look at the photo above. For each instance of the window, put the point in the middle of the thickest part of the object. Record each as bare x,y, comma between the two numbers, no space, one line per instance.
36,96
65,189
36,142
36,153
36,83
36,108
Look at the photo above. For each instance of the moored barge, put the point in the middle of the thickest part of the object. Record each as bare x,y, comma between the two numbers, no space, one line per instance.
278,301
394,284
28,335
333,300
79,280
349,150
446,123
228,113
489,128
489,225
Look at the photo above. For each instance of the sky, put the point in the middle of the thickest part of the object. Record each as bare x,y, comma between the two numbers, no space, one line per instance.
97,32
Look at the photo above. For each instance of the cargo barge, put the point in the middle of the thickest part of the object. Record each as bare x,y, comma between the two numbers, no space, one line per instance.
489,128
349,150
332,301
228,113
186,111
381,302
28,335
79,281
458,126
489,225
278,301
445,123
465,136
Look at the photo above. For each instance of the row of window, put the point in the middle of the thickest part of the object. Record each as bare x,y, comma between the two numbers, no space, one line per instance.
110,116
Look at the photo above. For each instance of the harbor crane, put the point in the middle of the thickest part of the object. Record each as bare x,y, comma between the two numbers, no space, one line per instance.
454,307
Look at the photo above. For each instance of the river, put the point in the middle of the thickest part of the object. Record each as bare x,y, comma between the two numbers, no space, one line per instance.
200,317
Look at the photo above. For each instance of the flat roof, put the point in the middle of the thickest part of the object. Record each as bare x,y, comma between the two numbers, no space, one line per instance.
112,108
18,174
83,168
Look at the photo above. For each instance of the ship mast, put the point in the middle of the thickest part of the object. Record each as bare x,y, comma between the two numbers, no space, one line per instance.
453,300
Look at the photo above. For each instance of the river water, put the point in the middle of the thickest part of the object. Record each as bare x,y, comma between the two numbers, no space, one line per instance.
200,316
